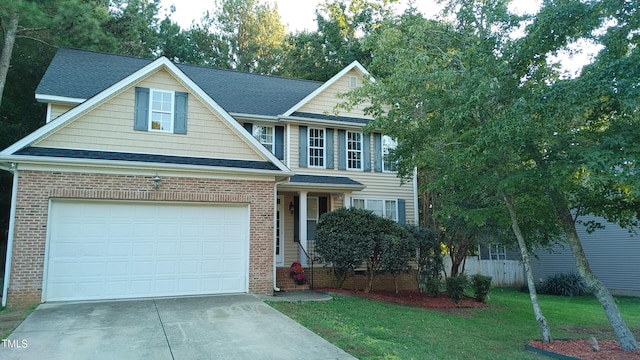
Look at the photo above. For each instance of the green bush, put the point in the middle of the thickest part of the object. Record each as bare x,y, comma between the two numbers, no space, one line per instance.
343,240
569,284
456,286
428,257
481,285
432,286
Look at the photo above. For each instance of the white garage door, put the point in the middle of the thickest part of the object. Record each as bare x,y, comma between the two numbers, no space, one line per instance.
111,250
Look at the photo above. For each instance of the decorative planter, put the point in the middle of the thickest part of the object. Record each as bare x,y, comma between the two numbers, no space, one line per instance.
299,282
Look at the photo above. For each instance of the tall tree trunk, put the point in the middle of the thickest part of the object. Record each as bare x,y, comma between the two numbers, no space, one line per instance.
623,334
542,321
7,48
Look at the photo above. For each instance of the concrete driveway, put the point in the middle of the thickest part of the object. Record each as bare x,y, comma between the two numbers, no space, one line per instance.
211,327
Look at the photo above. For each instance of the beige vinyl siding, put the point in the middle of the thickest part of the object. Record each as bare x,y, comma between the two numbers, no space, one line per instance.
109,127
290,247
59,109
379,185
326,101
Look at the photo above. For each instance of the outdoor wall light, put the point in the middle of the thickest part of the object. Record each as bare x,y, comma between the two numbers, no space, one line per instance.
292,208
156,181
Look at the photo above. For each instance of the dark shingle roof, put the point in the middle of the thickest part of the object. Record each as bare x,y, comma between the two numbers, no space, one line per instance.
347,119
149,158
328,180
83,74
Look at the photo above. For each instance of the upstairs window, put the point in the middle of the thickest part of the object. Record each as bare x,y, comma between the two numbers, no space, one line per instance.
264,134
316,147
388,144
354,150
161,114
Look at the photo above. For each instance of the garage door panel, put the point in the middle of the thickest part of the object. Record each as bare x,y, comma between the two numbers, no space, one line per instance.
102,250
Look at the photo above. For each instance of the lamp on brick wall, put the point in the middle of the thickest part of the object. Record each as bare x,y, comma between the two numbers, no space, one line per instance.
156,181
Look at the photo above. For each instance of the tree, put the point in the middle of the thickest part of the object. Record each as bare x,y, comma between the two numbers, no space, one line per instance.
342,25
245,35
400,246
497,110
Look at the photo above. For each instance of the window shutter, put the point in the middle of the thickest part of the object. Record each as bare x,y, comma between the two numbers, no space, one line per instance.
279,142
248,127
342,150
296,219
366,152
303,147
141,112
402,211
180,113
329,149
377,156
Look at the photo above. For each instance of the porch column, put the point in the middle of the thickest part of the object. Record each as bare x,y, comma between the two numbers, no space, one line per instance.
303,227
346,201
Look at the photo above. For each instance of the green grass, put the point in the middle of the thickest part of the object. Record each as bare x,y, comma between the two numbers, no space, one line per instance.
10,318
370,329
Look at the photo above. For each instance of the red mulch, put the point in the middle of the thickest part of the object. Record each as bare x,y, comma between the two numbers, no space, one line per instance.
412,298
581,349
577,348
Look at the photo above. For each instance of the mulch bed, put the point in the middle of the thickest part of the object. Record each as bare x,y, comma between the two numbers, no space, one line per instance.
411,298
581,349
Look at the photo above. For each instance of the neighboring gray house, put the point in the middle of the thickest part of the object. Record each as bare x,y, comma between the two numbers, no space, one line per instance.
613,254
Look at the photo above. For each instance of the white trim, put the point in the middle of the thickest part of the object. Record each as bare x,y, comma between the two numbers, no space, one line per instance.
324,148
288,136
59,99
51,162
415,197
302,218
161,62
12,224
353,65
361,151
252,117
171,112
317,122
48,116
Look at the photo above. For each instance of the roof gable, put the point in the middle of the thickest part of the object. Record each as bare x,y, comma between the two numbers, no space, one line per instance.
127,82
332,86
236,92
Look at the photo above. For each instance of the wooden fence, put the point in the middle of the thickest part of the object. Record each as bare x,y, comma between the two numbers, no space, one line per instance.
502,272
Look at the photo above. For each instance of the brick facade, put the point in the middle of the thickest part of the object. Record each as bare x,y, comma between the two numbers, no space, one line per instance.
322,277
36,188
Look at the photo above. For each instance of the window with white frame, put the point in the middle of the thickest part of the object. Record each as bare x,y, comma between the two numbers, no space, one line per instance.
388,144
161,114
354,150
381,207
264,134
316,147
497,252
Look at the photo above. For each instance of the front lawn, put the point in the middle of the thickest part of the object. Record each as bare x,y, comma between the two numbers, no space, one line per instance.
369,329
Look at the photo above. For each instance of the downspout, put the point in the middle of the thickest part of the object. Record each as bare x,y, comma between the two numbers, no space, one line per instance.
12,217
416,213
275,228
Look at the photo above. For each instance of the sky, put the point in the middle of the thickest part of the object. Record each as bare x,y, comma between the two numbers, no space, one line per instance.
298,15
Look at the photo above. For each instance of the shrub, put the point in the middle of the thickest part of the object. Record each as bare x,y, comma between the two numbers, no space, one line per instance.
481,285
455,287
428,257
432,286
398,250
570,284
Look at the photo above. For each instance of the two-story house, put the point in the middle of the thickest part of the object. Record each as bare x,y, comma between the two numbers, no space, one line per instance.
151,178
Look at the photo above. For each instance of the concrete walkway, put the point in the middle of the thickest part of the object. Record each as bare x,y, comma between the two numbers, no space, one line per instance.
211,327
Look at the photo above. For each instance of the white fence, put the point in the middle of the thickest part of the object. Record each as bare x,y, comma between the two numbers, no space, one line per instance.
502,272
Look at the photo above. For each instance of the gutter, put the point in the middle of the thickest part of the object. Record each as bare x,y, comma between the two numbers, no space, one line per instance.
275,228
12,220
